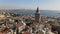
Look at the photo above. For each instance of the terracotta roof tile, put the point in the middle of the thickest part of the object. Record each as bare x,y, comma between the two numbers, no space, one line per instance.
26,32
1,33
19,24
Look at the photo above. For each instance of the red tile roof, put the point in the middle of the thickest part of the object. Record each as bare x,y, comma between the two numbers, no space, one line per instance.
1,33
19,24
26,32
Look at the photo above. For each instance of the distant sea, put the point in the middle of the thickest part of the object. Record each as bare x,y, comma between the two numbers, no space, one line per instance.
32,12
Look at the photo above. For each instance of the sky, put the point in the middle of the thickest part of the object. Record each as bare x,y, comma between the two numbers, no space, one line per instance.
30,4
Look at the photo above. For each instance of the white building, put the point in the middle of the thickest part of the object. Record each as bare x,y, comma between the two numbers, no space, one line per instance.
20,26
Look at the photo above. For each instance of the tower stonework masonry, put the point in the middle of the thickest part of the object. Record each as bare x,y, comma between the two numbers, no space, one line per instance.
37,15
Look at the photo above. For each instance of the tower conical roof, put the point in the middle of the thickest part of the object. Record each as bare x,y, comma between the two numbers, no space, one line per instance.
37,10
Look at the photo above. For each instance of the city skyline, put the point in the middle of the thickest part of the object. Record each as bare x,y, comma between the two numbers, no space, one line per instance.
30,4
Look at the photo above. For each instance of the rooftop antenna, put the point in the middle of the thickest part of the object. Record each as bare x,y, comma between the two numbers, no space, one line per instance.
36,2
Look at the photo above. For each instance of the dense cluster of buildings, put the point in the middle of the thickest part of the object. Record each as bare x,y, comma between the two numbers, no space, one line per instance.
28,24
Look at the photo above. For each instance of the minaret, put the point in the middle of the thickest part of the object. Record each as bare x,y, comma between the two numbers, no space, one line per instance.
37,15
